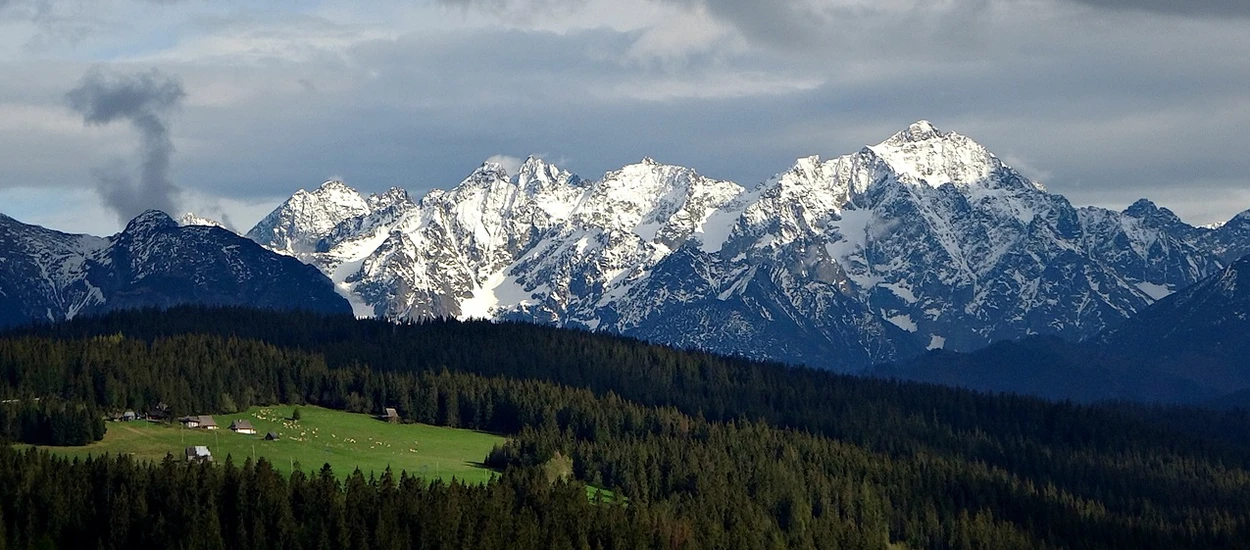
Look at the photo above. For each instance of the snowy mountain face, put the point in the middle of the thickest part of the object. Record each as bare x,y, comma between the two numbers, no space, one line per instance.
154,262
924,240
296,226
46,274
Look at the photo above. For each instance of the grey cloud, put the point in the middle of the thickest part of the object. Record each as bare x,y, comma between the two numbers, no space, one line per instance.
1199,8
517,10
1111,111
145,100
432,106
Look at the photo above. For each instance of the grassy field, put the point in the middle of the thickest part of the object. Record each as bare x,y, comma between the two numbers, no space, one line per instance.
344,440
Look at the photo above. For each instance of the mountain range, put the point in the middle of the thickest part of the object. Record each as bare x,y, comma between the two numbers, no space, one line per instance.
925,240
47,275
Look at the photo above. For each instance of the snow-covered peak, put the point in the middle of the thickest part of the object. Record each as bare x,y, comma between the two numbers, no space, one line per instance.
192,219
922,154
334,186
921,130
487,172
536,175
297,225
392,197
339,193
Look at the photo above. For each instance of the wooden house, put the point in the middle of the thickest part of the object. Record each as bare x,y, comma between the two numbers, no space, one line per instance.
243,427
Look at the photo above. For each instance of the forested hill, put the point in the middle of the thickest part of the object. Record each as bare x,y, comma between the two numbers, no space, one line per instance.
709,451
716,387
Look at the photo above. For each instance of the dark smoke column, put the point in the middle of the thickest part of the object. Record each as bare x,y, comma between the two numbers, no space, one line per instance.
145,100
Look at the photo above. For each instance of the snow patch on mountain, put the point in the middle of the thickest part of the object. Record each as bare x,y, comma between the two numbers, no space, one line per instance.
1156,292
190,218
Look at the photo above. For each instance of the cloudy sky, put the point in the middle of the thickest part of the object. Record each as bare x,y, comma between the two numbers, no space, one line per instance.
227,107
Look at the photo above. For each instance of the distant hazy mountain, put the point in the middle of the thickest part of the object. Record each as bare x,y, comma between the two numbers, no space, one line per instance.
925,240
49,275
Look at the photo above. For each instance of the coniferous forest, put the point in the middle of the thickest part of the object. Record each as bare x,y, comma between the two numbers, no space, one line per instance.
701,451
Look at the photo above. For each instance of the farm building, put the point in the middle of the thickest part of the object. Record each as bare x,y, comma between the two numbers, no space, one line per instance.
203,422
389,414
243,427
199,453
271,436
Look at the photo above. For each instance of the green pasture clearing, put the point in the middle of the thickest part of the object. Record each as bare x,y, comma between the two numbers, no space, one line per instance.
344,440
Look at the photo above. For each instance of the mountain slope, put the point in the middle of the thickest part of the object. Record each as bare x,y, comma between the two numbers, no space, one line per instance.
1188,347
1201,333
1231,240
925,240
46,274
153,262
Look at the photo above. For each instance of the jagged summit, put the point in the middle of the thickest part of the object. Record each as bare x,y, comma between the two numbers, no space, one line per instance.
334,184
298,224
922,154
921,130
1148,210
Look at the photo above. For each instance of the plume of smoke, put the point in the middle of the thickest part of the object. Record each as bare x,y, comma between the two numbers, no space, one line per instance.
145,100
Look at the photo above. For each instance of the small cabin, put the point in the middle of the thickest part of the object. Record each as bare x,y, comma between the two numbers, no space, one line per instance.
271,436
389,414
129,416
243,427
199,453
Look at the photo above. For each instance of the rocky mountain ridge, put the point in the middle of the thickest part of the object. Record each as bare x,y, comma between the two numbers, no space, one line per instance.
47,275
924,240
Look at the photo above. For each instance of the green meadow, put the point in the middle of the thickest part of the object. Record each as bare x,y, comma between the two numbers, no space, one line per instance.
344,440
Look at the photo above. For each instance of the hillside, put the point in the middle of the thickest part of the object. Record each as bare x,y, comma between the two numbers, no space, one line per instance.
48,276
1189,347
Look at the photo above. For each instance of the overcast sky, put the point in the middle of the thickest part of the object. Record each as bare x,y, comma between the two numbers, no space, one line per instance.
227,107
